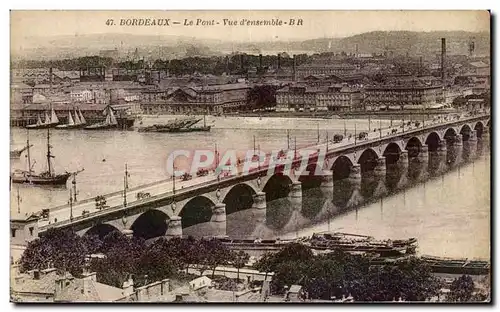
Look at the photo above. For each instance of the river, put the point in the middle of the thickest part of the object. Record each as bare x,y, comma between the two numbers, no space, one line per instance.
448,210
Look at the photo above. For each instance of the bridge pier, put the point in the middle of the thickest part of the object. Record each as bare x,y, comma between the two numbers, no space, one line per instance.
174,227
296,191
327,183
442,149
473,136
380,168
423,156
128,233
403,159
218,220
355,174
486,134
259,201
458,140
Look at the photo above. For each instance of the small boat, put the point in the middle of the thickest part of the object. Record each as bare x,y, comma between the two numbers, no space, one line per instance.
188,127
17,153
109,123
48,177
457,266
72,123
48,123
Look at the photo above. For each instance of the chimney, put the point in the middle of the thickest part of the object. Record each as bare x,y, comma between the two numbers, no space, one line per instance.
420,65
178,298
142,294
50,78
165,286
260,61
61,284
128,287
356,50
443,56
35,274
279,60
294,73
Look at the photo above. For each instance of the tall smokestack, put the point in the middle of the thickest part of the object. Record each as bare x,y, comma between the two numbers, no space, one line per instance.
420,65
260,61
279,60
356,49
50,78
443,56
294,73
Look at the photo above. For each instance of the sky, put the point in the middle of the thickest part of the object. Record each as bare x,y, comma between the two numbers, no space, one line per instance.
316,24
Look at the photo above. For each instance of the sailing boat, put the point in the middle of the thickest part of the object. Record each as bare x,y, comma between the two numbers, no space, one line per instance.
72,123
109,123
48,177
49,122
82,119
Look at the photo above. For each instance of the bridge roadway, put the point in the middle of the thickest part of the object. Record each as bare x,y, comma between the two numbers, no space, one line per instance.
60,216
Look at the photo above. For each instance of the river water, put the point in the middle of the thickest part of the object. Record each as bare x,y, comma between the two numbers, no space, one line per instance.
445,205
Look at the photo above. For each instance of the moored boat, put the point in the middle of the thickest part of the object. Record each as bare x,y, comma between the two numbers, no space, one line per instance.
72,123
48,177
109,123
50,122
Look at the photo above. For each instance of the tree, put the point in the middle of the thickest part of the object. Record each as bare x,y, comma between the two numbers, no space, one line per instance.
262,96
58,248
461,289
240,258
121,259
215,254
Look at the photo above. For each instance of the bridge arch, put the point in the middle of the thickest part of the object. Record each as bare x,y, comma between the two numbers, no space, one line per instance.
239,197
413,146
368,160
197,210
433,140
101,230
450,134
150,224
392,153
479,127
465,131
309,178
278,186
341,167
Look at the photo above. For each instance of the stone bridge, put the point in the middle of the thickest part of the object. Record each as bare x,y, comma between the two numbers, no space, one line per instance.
208,203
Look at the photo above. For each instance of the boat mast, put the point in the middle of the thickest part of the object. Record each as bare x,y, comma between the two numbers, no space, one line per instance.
125,187
28,154
49,156
288,139
18,201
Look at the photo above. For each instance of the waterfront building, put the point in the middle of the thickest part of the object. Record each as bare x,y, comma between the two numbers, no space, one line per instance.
328,80
307,98
198,100
403,95
325,69
65,76
21,93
